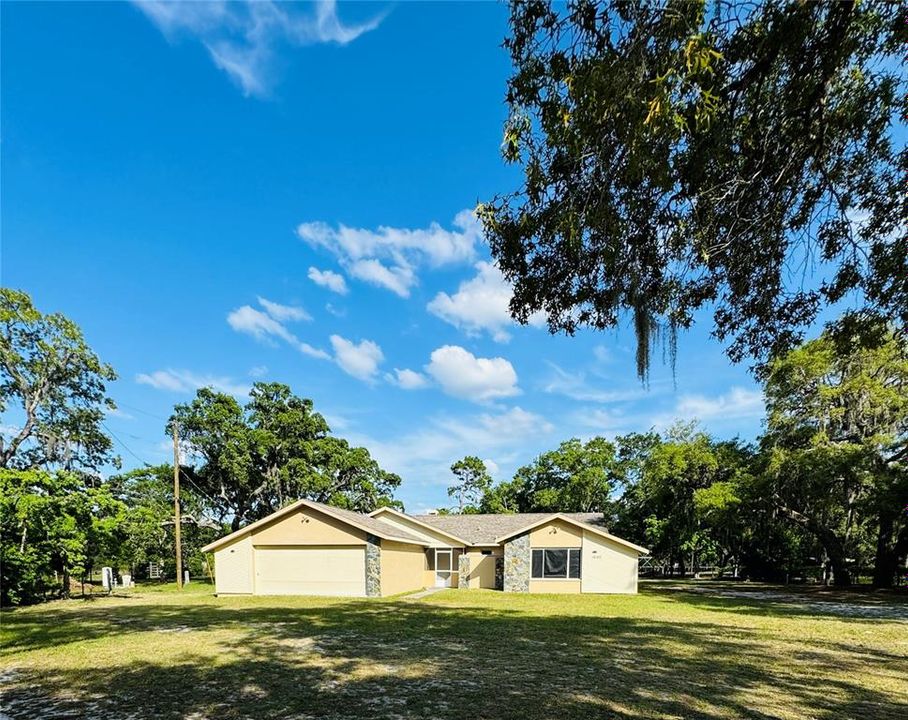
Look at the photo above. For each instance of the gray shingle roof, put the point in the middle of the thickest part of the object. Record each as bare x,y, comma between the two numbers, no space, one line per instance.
484,529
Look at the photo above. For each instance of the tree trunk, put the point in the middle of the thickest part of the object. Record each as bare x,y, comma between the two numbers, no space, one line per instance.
888,554
832,544
841,576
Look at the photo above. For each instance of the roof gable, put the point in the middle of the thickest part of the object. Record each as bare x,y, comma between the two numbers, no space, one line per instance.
363,522
579,523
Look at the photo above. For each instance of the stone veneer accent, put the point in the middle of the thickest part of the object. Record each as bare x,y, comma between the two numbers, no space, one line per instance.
373,566
463,572
517,564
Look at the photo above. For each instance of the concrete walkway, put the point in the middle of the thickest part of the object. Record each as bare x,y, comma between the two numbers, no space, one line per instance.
423,593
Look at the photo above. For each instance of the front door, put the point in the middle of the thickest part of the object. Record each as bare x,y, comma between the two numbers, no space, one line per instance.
444,559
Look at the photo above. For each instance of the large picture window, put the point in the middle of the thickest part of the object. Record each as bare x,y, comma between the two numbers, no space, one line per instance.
556,563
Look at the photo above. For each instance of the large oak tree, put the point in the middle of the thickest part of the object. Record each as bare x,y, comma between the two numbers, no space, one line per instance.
732,156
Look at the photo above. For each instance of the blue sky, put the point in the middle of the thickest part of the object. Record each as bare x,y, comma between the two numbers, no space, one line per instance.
219,194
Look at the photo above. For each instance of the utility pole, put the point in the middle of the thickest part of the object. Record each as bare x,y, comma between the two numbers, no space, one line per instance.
176,504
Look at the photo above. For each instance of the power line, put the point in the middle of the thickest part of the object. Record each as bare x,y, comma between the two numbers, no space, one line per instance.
140,410
125,446
148,464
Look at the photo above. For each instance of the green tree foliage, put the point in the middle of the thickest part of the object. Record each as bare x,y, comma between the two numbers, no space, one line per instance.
472,481
54,525
147,529
256,458
688,155
689,493
575,477
56,385
837,444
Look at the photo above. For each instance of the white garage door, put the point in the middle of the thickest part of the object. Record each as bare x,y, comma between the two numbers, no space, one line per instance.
327,570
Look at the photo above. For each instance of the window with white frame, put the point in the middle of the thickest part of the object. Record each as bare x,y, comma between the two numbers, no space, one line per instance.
556,563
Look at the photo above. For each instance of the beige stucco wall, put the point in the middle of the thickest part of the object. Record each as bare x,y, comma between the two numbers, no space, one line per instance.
482,567
430,536
307,526
233,567
554,586
401,567
558,534
607,566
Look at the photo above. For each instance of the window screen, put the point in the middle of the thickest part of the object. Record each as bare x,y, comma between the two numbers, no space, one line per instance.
537,563
556,563
552,563
574,563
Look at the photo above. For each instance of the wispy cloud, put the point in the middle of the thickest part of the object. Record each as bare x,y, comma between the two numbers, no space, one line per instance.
424,456
480,304
284,313
398,278
186,381
716,413
736,404
577,386
243,38
268,325
328,279
390,256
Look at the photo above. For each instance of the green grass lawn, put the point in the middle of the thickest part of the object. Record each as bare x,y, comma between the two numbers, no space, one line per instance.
665,653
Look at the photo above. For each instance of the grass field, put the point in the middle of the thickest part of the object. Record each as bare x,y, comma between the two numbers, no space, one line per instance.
709,651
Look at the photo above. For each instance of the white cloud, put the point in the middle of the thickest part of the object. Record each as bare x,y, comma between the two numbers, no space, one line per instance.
183,381
576,386
284,313
480,303
398,278
328,279
424,456
462,374
602,354
736,404
118,413
407,379
361,360
258,371
389,256
609,420
263,326
242,37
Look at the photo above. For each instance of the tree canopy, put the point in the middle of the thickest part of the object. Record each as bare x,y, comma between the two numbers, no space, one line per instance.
472,481
57,385
255,458
837,443
688,155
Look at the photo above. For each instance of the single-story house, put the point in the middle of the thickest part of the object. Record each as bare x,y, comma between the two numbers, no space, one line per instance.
308,548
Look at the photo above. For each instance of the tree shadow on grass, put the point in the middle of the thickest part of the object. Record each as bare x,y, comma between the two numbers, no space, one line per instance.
366,659
783,603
